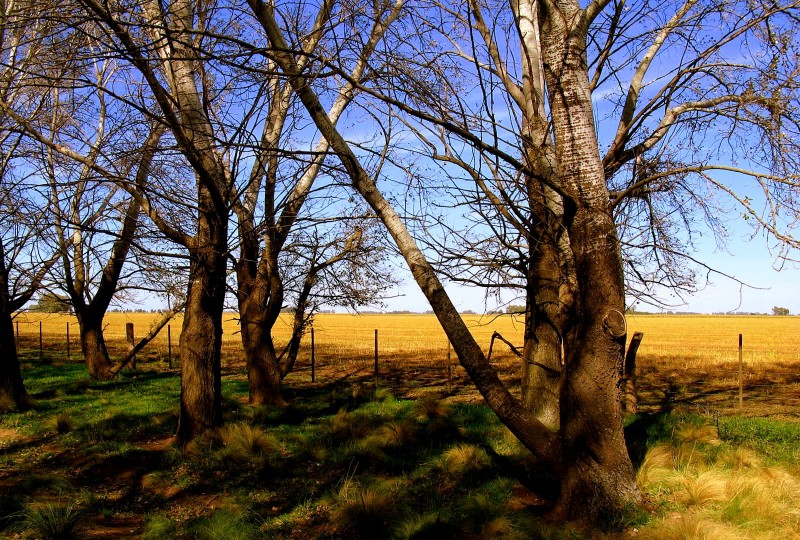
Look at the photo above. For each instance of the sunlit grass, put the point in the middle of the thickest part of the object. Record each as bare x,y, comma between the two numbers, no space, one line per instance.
708,488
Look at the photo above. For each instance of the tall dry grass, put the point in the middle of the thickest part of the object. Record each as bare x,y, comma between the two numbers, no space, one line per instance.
707,489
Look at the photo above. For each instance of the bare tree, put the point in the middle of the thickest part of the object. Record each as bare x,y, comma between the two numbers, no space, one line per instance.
25,259
278,187
26,252
96,222
556,201
166,45
340,262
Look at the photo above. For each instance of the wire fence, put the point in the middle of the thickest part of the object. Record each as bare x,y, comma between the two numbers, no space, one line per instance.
396,358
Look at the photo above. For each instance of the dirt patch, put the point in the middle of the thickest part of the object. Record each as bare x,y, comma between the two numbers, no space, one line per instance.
9,437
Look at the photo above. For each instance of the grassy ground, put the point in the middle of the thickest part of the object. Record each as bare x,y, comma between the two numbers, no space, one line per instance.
345,461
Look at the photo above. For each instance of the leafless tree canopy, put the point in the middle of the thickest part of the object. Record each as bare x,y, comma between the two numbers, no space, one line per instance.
573,154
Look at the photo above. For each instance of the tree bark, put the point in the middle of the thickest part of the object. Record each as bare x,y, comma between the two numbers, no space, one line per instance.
542,354
93,344
201,342
13,395
597,477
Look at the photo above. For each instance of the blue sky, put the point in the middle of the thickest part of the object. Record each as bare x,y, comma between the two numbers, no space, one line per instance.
747,259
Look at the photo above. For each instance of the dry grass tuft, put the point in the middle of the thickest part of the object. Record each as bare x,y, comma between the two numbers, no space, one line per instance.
364,512
740,458
658,465
689,527
340,424
501,527
242,442
705,434
708,486
396,433
432,407
464,459
358,393
62,423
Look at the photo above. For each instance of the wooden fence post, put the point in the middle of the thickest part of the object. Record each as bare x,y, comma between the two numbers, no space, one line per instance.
68,356
313,359
741,384
41,354
169,345
129,338
376,359
449,371
631,398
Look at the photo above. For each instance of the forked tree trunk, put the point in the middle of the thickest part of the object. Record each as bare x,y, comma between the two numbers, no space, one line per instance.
260,296
93,345
13,395
263,372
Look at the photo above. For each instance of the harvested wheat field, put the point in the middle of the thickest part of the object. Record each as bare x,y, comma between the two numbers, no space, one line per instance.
687,361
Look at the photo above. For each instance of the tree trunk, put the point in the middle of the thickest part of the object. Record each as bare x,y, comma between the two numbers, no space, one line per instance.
542,360
13,395
93,345
597,477
201,339
263,372
547,272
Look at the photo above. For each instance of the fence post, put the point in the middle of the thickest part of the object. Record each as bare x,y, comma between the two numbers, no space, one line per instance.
41,355
313,359
631,397
169,346
17,329
129,339
376,359
741,393
449,371
68,356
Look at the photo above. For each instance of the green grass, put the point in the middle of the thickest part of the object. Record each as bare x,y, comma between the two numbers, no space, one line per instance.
51,520
778,441
351,462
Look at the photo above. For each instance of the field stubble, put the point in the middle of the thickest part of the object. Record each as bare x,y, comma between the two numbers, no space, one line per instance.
684,361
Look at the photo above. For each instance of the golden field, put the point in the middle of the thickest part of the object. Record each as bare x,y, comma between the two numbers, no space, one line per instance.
686,340
693,357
